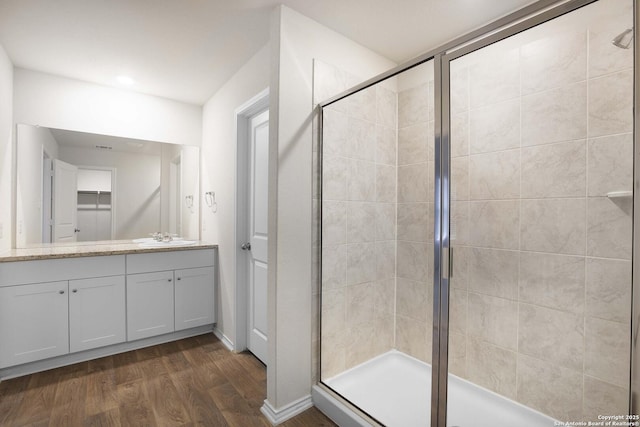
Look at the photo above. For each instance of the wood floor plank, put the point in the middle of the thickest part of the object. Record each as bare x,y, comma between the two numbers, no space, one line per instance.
11,395
135,409
208,342
127,367
109,418
166,402
39,398
235,409
71,393
246,386
102,392
198,403
173,358
227,398
246,420
192,382
253,366
100,365
195,354
208,376
150,362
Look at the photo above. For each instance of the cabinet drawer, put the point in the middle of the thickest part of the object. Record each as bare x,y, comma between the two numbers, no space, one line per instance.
48,270
174,260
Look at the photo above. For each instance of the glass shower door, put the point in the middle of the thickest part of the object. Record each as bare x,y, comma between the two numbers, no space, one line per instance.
377,245
541,223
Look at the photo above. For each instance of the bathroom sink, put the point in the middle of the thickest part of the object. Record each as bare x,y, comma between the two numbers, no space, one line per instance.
143,240
152,243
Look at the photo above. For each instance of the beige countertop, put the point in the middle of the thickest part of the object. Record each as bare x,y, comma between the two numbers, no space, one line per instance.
86,249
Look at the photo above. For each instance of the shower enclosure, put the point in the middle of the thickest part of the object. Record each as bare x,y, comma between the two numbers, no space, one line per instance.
476,212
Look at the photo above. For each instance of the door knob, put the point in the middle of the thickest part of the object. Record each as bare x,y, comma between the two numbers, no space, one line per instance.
246,246
76,230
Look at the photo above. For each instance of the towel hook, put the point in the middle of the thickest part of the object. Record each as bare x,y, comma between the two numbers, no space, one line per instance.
210,200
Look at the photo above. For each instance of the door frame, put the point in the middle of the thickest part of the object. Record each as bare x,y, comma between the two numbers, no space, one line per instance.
243,115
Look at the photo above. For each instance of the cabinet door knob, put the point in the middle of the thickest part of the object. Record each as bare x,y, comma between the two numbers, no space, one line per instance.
178,278
74,291
170,280
61,292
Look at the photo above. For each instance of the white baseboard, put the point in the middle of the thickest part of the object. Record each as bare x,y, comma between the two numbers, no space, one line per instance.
223,338
280,415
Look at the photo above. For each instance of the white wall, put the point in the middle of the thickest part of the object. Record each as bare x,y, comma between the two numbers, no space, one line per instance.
58,102
94,180
31,143
6,151
296,41
218,164
137,191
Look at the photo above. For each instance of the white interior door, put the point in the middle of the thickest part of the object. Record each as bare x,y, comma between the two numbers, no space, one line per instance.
65,201
257,248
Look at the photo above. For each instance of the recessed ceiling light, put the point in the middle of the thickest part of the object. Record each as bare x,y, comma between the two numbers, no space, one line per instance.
125,80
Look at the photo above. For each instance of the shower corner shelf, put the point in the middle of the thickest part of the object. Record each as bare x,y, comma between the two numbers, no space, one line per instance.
619,194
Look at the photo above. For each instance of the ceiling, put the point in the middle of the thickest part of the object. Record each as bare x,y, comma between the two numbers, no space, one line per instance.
68,138
186,49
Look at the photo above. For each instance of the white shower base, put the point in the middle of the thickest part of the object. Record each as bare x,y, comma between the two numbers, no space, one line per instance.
395,389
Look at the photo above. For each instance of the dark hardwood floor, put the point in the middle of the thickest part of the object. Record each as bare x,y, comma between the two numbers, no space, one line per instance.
192,382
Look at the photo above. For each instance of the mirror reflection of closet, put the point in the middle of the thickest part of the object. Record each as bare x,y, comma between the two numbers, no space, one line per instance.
95,196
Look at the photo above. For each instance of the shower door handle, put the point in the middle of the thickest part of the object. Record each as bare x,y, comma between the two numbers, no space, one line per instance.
447,263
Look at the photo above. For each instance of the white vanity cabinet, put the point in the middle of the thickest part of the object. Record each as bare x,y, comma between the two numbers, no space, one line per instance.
149,304
96,312
33,322
56,311
51,307
194,304
169,291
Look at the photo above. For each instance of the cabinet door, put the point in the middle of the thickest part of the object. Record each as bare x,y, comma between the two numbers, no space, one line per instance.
33,322
149,304
194,297
96,312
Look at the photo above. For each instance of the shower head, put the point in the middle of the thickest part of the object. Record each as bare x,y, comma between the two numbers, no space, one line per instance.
623,40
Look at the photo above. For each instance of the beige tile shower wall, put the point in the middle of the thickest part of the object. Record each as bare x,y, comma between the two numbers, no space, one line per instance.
358,224
414,290
541,132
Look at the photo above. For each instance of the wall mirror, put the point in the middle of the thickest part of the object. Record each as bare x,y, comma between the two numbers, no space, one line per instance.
82,187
